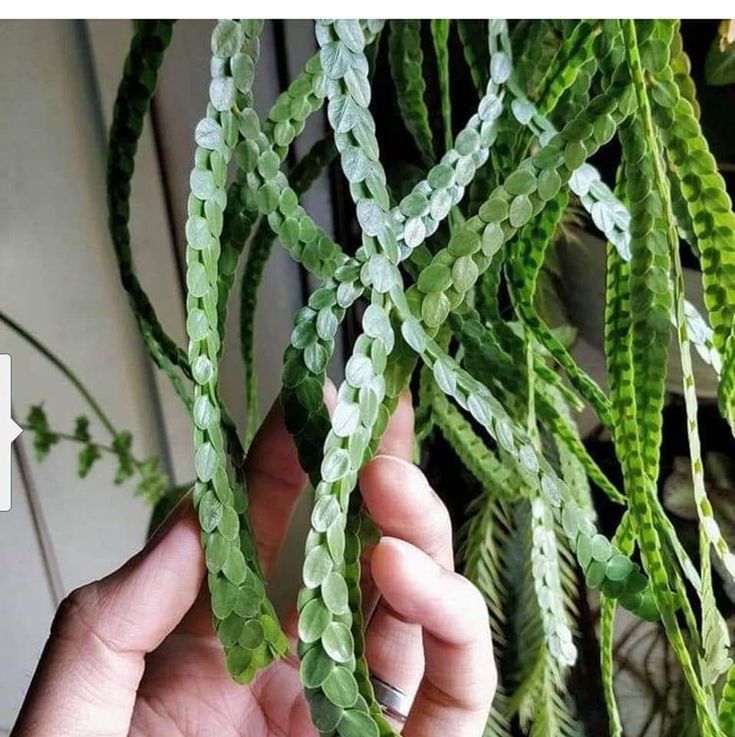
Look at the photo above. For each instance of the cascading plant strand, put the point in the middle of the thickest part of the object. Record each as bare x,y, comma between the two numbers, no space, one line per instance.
445,280
245,620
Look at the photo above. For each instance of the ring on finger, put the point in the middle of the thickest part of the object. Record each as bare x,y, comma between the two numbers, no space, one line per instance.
394,702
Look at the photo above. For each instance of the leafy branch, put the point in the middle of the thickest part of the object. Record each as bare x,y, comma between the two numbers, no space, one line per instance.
151,481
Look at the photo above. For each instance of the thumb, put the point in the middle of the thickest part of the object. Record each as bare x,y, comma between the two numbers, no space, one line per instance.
90,669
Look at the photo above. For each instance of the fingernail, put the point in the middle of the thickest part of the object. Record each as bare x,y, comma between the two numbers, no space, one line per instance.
393,543
417,475
409,557
183,507
402,555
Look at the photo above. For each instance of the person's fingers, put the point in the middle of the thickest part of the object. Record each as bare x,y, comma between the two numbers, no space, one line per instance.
459,679
402,504
89,673
275,482
393,491
397,439
387,634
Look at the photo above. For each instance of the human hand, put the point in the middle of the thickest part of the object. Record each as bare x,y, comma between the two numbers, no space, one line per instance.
135,653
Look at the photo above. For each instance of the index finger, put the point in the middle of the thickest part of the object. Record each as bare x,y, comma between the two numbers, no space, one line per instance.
398,437
459,677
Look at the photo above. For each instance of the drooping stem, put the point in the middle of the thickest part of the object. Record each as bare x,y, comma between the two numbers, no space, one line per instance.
63,368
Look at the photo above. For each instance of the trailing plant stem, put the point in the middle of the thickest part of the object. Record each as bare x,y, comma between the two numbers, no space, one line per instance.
64,369
652,555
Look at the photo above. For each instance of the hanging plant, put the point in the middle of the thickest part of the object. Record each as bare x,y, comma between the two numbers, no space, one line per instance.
445,285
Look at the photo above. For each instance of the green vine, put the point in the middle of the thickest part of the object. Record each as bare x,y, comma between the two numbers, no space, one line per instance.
444,277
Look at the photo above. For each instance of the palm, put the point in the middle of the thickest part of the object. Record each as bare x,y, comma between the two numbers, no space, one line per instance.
186,684
197,696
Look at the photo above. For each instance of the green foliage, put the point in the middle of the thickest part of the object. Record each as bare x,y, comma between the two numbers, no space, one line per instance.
479,460
43,437
574,53
709,210
539,695
131,105
239,604
524,266
726,709
152,481
440,36
307,170
473,35
437,255
624,539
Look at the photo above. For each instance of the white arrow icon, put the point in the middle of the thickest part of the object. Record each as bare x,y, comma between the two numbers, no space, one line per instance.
9,431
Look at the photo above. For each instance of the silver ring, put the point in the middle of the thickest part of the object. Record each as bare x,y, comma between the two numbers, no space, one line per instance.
394,702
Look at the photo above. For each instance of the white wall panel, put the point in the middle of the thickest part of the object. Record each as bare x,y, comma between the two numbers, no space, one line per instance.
28,602
58,277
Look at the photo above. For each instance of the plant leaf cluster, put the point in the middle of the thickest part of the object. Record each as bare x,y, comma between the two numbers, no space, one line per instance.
444,281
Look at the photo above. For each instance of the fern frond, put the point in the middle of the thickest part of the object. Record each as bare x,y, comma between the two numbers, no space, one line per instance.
497,724
483,540
481,462
545,567
539,696
485,358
